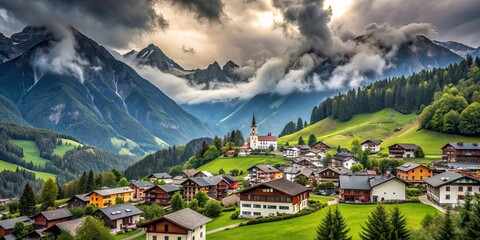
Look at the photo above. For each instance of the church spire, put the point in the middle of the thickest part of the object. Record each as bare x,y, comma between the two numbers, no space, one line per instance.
253,121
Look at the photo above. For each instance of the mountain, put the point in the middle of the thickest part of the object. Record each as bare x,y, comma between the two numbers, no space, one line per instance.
20,42
456,47
476,53
154,57
98,99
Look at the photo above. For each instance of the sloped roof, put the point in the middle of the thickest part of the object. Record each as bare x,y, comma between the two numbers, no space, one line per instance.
281,185
160,175
343,157
185,218
463,146
321,143
166,187
189,172
359,182
140,184
10,223
120,211
377,180
339,170
229,178
267,138
207,181
84,197
266,168
292,170
112,191
307,172
55,214
408,166
376,142
407,146
446,178
68,226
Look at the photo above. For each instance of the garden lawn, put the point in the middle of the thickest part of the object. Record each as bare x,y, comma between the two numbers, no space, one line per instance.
127,234
143,237
223,220
322,199
66,146
31,153
305,227
240,163
12,167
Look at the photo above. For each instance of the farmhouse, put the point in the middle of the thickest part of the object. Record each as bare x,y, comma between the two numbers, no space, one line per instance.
290,172
255,141
120,217
185,224
160,194
215,187
68,226
332,174
203,174
232,182
78,200
291,152
106,197
244,150
371,145
303,163
6,226
160,177
49,218
308,173
138,188
321,146
449,188
461,152
413,173
402,150
262,173
272,197
344,159
187,173
363,188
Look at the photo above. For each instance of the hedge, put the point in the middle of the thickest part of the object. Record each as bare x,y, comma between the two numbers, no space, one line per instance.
313,208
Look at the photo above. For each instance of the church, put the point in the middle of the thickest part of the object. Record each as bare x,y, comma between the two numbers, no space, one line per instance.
254,141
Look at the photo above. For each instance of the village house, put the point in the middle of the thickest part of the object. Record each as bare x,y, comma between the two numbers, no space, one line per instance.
49,218
70,227
262,173
344,159
184,224
232,181
79,200
313,154
373,146
215,187
449,188
106,197
203,174
160,194
160,177
308,173
461,152
413,173
6,226
364,188
138,188
402,150
255,141
244,150
273,197
291,152
321,146
120,217
303,163
332,174
188,173
290,172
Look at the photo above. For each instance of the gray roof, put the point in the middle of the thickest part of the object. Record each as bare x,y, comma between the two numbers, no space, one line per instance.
343,157
185,218
408,146
169,188
266,168
464,146
207,181
376,142
10,237
377,180
229,178
339,170
10,223
112,191
291,170
160,175
444,178
55,214
68,226
408,166
140,184
360,182
307,172
84,197
120,211
281,185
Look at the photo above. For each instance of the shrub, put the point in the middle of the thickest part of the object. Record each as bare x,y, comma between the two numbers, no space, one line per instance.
235,215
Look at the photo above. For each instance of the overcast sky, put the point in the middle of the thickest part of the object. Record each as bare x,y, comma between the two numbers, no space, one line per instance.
197,32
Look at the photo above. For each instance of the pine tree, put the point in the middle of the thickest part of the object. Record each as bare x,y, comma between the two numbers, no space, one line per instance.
465,213
299,124
312,139
325,229
446,231
472,231
333,227
82,183
399,226
341,230
90,185
176,202
48,194
377,226
301,141
27,201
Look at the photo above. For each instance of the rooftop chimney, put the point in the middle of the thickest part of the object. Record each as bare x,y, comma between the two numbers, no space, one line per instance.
460,143
475,144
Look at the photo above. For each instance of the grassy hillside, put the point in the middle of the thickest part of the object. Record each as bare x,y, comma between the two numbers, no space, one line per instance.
66,146
12,167
378,125
31,152
240,163
305,227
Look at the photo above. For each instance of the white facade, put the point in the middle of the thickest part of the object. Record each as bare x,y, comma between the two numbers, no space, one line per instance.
349,163
291,152
119,223
390,190
250,209
452,194
372,148
197,234
265,144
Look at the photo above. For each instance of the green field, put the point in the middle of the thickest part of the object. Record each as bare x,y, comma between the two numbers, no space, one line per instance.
240,163
223,220
12,167
322,199
378,125
305,227
31,152
66,146
128,234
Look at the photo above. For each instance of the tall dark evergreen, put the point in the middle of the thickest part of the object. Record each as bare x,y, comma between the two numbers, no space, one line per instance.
447,229
82,186
90,185
312,139
398,223
301,141
27,201
472,230
288,129
377,227
333,227
299,124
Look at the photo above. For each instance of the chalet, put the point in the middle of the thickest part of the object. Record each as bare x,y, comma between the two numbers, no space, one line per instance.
160,177
106,197
273,197
79,200
291,152
413,173
461,152
290,172
321,146
160,194
177,181
49,218
402,150
303,163
6,226
372,146
255,141
187,173
313,154
203,174
344,159
120,217
308,173
262,173
449,188
332,174
215,187
344,152
70,226
232,182
138,188
244,150
185,224
363,188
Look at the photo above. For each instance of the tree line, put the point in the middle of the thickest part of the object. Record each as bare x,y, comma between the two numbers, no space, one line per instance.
291,127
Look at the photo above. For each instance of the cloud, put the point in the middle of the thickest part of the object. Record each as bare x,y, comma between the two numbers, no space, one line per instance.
189,50
211,10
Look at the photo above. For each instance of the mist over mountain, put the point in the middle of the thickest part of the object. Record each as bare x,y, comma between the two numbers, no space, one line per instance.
456,47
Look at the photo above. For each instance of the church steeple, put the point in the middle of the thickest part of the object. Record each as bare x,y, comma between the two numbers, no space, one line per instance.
253,121
253,130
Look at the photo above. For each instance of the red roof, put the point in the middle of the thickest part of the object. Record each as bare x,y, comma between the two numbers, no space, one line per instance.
267,138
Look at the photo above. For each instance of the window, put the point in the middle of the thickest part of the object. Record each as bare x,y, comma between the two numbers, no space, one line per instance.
166,237
284,207
413,171
246,213
421,177
461,197
460,189
421,170
469,189
272,207
257,206
201,234
166,228
246,205
447,189
179,238
413,177
447,197
257,213
154,237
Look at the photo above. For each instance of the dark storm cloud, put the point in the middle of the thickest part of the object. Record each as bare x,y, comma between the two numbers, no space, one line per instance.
211,10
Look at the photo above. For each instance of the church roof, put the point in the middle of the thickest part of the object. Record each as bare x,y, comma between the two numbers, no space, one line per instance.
267,138
253,120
